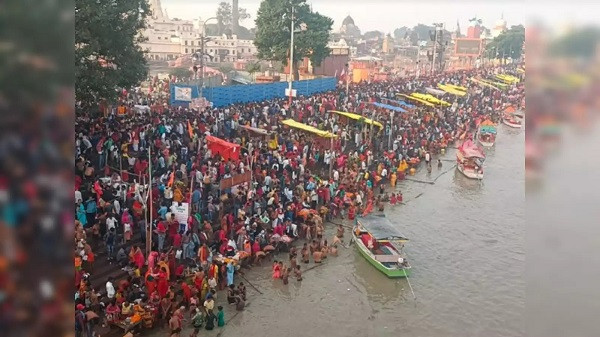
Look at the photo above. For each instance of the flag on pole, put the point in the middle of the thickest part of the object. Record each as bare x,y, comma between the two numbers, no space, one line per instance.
190,130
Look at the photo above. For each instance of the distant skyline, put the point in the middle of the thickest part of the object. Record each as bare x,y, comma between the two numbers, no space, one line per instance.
387,15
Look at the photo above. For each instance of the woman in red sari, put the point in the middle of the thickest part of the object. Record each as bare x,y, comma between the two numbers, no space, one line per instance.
187,292
163,283
150,283
198,278
138,257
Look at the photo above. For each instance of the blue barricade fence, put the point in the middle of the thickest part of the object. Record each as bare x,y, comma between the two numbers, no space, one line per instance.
227,95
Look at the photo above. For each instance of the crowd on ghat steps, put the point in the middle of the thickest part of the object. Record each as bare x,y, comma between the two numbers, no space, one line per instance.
290,196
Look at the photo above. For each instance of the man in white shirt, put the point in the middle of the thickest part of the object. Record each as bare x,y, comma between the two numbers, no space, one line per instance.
111,222
110,288
358,199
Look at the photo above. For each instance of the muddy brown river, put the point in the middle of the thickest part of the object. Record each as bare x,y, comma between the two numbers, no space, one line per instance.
467,252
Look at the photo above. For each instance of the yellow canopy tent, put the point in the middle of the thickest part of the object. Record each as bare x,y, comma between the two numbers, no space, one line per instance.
417,99
483,83
508,78
500,85
357,117
451,90
293,124
430,98
456,87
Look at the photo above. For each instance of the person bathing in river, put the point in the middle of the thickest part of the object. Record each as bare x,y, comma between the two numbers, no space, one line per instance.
276,270
298,273
340,232
317,256
285,274
324,249
304,253
333,250
393,199
439,164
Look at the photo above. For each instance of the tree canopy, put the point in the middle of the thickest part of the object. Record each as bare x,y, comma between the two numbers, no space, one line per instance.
273,23
374,34
401,33
509,44
226,18
107,51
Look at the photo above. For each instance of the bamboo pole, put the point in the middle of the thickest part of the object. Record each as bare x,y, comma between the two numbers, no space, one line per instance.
149,201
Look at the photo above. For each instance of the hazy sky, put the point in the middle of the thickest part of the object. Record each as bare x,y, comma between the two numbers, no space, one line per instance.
387,15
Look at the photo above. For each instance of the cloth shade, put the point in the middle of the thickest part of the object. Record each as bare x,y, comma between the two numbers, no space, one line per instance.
227,150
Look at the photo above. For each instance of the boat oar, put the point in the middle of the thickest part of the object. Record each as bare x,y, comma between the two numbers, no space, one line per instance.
410,286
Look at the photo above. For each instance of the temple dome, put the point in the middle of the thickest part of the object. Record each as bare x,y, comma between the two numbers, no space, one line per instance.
348,21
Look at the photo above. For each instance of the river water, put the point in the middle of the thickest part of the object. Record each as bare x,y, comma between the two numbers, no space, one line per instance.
467,253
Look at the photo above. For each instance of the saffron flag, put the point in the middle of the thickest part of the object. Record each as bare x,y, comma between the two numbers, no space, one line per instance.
190,129
171,179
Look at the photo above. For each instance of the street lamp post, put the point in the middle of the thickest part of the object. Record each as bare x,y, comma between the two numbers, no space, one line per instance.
291,63
435,41
202,53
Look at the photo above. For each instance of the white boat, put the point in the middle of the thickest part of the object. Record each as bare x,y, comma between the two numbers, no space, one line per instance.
469,160
512,122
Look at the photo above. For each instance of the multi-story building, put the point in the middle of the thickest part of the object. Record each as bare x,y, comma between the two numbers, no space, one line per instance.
230,49
168,39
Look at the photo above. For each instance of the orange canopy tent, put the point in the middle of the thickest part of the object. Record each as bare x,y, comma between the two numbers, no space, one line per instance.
227,150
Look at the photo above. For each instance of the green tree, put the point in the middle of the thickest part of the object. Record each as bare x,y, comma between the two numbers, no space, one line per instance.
107,51
228,20
224,16
400,33
273,22
374,34
181,72
508,44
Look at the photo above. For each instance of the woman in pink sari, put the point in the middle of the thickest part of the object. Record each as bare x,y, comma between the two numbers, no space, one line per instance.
112,312
152,260
127,227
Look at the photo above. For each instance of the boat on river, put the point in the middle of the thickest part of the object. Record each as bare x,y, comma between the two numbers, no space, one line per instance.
512,118
512,121
381,244
469,160
487,133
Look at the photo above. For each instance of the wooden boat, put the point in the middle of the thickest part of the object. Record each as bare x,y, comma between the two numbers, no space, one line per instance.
512,121
469,160
381,244
487,133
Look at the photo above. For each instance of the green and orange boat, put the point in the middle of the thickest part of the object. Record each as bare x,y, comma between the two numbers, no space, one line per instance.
382,245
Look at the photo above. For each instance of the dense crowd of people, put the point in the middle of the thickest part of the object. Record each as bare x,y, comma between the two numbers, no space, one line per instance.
141,164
